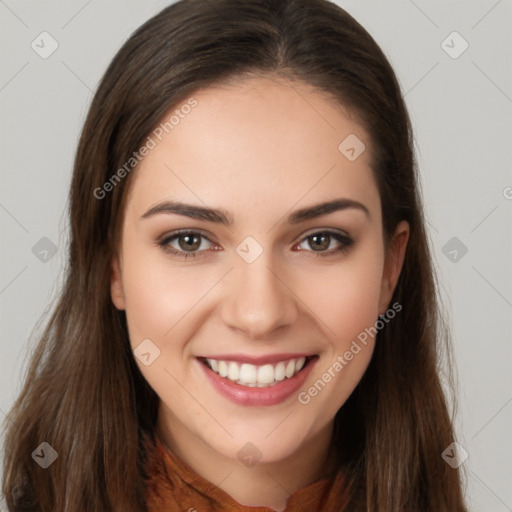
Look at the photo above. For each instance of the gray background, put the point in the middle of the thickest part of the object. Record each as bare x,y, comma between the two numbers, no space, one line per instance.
461,110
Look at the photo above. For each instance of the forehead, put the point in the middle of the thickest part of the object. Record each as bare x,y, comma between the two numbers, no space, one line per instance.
254,144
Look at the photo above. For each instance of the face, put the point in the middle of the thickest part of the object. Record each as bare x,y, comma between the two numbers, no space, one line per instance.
243,294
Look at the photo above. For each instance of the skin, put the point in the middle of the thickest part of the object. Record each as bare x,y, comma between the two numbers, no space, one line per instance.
258,149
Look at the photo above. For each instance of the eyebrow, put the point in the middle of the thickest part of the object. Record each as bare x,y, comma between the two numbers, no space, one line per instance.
222,217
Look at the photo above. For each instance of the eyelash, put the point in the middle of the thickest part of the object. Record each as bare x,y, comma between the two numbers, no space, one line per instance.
346,243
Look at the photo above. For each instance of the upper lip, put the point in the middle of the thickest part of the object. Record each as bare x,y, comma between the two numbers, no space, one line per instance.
258,360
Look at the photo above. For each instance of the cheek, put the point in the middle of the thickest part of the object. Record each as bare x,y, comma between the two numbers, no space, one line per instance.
159,301
158,296
346,301
345,296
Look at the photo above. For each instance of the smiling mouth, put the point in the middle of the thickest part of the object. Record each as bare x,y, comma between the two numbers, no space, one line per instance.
261,376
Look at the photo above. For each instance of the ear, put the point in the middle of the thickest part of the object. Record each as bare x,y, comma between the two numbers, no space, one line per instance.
116,283
393,263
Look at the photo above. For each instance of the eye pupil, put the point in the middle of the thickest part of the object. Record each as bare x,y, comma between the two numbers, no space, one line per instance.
192,242
323,245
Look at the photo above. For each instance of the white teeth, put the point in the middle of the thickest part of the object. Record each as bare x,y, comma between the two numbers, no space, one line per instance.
223,368
248,373
233,371
265,374
257,376
279,372
290,369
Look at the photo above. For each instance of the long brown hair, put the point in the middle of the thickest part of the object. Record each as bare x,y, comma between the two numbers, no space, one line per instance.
83,392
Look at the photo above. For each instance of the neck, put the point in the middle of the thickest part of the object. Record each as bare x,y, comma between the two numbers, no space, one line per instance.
263,484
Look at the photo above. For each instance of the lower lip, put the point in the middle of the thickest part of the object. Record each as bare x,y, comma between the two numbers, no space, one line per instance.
244,395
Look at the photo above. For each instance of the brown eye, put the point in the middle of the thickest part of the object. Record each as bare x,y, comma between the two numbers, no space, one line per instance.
319,241
189,242
327,243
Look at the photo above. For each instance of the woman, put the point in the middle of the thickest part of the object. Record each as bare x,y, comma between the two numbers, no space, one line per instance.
249,319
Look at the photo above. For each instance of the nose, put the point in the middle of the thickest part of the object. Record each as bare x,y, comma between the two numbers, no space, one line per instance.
258,300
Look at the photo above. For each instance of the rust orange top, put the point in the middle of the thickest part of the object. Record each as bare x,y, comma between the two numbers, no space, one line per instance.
173,486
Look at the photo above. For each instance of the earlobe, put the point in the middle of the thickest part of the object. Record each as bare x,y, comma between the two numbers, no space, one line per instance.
116,284
393,264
